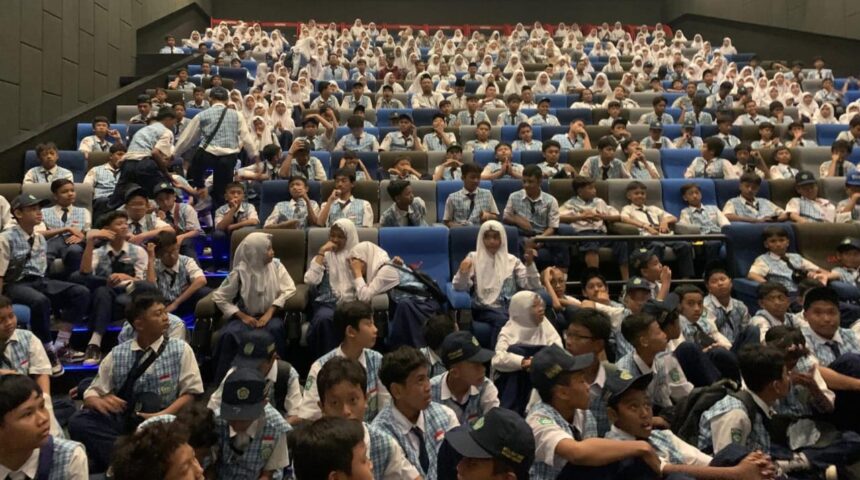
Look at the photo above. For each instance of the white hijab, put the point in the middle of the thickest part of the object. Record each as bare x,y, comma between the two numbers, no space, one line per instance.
491,270
340,276
521,327
514,85
259,284
373,256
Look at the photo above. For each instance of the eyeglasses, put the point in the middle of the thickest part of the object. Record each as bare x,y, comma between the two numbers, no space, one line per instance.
574,336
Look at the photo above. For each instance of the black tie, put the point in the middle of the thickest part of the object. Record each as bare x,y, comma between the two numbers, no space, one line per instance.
116,265
305,170
605,172
136,228
471,202
168,217
409,221
296,210
840,169
472,116
31,241
65,216
834,347
648,216
47,176
723,320
172,275
422,450
3,359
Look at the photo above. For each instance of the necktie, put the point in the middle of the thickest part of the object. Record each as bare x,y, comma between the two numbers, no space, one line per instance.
648,216
168,217
604,172
840,169
305,170
723,320
116,265
834,347
172,275
3,359
31,241
409,221
47,175
136,229
333,71
296,210
471,202
422,449
472,117
753,205
65,216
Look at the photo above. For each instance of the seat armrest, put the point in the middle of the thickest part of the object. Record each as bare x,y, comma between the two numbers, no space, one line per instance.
459,300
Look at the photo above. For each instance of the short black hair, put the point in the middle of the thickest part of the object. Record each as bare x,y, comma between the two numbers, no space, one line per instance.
60,183
749,177
100,119
549,144
355,122
232,185
141,303
607,141
658,99
15,390
271,152
468,168
199,422
398,364
350,314
596,322
117,147
164,240
437,328
297,178
689,186
773,231
633,326
396,187
687,289
345,172
715,145
111,216
635,185
761,365
840,145
44,147
533,171
337,370
325,446
767,288
146,453
578,182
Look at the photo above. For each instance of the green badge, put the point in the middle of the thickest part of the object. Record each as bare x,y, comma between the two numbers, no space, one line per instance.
675,375
249,348
309,383
478,424
624,375
545,421
737,435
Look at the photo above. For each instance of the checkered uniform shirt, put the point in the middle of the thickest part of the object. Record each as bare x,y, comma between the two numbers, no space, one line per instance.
729,321
758,439
436,423
171,283
568,144
467,412
40,175
251,462
76,217
706,217
161,378
759,208
291,210
103,179
593,168
845,340
541,213
34,260
414,217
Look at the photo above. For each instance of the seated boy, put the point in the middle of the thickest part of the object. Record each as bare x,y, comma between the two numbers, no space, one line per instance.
838,165
471,205
110,272
482,141
604,166
749,161
589,215
178,278
708,218
808,206
103,178
512,116
728,314
550,166
503,165
342,204
160,450
347,452
774,302
235,214
748,207
724,127
848,256
98,141
535,212
472,116
355,320
252,435
29,450
449,169
653,220
464,388
500,446
65,225
636,294
848,210
300,163
405,139
559,420
645,263
656,139
781,266
122,395
710,165
48,170
439,140
350,159
402,170
342,385
631,413
413,419
357,140
181,216
407,209
142,225
688,139
299,213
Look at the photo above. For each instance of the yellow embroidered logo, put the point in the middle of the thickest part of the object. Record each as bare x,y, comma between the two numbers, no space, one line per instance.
243,393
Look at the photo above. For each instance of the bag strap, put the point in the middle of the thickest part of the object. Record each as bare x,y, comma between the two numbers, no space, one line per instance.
136,372
208,139
421,278
46,459
282,384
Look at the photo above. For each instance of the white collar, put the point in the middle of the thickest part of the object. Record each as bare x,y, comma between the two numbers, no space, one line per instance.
49,170
403,424
716,302
643,367
29,467
768,411
619,434
154,347
434,359
174,268
446,392
251,432
362,359
351,197
600,379
837,337
124,248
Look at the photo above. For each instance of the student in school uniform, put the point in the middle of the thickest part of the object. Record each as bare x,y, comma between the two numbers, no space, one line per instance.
252,434
64,225
749,161
258,352
48,170
427,97
503,165
354,322
29,449
342,204
688,139
499,445
551,166
565,441
838,165
748,207
472,205
575,138
535,212
234,215
604,165
656,139
405,139
435,330
808,206
356,98
142,225
24,262
103,178
347,443
98,141
252,296
708,218
482,140
645,263
659,114
413,419
471,116
357,140
779,265
728,314
178,278
464,387
543,117
513,116
148,376
439,140
300,212
774,312
300,163
181,216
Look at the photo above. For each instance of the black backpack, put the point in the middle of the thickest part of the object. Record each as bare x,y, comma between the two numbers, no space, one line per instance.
687,413
282,385
431,288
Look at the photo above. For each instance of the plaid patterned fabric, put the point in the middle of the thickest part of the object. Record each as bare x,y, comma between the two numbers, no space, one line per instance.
758,438
249,464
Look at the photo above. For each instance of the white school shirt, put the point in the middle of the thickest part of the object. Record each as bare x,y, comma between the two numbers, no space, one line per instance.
93,143
724,428
716,216
405,426
431,100
639,214
489,397
827,209
549,434
666,365
691,455
164,144
77,469
398,467
759,266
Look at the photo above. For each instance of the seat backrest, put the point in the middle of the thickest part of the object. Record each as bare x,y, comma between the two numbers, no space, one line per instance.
577,158
125,112
318,236
618,192
418,160
426,246
94,159
832,188
341,132
72,160
503,188
561,189
444,188
383,115
364,189
817,241
811,158
673,202
83,193
827,133
781,191
86,129
675,162
729,189
423,189
423,116
289,247
10,190
464,240
272,192
566,116
744,243
638,132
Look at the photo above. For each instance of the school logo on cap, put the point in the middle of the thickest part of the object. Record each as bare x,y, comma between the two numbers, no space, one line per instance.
512,455
249,348
455,354
637,281
478,424
475,342
243,393
552,371
624,375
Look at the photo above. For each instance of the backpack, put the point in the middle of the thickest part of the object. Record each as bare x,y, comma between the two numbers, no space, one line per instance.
431,288
688,411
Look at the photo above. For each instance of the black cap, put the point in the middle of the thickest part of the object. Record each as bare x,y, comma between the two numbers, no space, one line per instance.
848,244
219,93
637,283
820,294
163,187
28,200
454,147
133,189
463,347
660,308
459,82
404,116
143,98
640,257
255,346
804,177
500,434
244,395
165,112
727,85
656,125
553,360
619,381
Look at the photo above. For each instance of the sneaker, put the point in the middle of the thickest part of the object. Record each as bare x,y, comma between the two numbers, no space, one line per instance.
57,368
69,355
93,355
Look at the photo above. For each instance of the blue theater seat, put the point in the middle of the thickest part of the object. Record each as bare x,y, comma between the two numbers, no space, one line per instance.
483,157
427,246
673,202
274,191
86,129
341,132
567,116
743,245
69,159
422,117
369,159
827,133
675,162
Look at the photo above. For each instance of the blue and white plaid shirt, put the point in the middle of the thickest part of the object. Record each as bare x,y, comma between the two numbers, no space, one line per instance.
413,217
459,207
542,213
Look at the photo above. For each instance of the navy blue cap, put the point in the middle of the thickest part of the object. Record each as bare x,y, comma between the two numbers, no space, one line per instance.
163,187
689,123
219,93
637,283
848,243
853,179
500,434
619,381
463,347
553,360
656,125
244,395
255,346
804,177
28,200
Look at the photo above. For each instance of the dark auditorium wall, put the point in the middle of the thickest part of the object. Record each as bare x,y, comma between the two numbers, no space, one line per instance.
58,55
